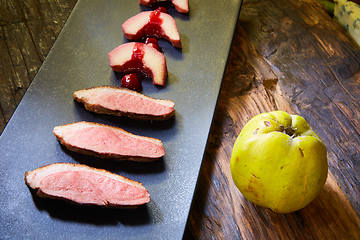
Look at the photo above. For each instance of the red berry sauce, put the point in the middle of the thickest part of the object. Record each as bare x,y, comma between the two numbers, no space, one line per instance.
153,42
135,65
157,3
161,9
155,16
138,52
131,81
153,28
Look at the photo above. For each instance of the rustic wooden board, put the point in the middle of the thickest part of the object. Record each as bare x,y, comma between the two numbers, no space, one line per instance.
284,58
294,40
318,63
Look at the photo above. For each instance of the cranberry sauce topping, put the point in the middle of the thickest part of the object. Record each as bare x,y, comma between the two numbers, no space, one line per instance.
135,64
155,16
153,42
157,3
131,81
138,52
153,28
161,9
151,2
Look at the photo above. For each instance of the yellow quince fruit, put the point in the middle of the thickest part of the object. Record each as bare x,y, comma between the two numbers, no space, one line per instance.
278,162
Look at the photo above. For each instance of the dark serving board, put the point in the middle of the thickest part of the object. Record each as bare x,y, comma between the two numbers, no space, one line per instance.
79,60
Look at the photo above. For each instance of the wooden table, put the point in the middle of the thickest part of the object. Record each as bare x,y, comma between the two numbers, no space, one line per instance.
286,54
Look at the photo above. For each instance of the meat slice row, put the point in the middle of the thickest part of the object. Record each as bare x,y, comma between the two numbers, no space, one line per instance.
123,102
108,142
90,186
85,185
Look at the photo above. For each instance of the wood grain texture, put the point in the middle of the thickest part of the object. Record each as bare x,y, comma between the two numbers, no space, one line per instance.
286,54
28,30
7,74
318,64
287,67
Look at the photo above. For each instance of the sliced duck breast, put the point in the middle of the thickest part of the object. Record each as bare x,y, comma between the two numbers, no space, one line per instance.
108,142
85,185
123,102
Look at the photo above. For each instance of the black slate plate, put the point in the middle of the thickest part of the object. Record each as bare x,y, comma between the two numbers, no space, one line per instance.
79,60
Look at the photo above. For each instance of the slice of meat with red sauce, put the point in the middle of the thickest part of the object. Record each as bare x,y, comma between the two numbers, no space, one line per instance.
86,185
108,142
124,102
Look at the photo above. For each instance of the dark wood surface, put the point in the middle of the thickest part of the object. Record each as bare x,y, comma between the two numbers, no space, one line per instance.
28,29
286,54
